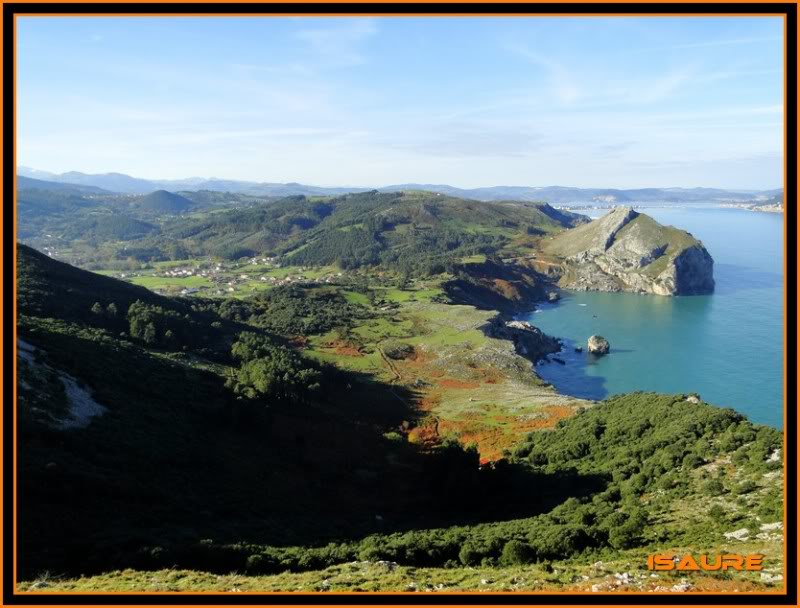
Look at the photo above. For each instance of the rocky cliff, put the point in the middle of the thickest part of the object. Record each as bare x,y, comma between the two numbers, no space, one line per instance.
629,251
506,287
529,341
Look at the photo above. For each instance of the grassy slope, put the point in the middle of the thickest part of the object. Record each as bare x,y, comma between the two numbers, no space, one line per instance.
678,520
460,382
465,383
294,224
581,238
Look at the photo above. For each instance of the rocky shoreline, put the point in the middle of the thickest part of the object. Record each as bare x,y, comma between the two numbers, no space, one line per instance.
529,341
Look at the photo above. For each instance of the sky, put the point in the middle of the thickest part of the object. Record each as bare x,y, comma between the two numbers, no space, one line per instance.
466,101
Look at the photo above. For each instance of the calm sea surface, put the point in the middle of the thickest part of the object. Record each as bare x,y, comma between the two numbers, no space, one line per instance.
727,346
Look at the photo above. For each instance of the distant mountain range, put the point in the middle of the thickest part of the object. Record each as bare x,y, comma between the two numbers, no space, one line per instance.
558,195
28,183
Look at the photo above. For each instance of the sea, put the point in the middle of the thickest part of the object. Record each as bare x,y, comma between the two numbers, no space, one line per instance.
728,346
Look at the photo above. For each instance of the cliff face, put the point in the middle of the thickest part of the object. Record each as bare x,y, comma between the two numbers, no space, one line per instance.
628,251
529,341
507,288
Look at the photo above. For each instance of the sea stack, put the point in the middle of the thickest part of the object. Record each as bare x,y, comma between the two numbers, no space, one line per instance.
598,345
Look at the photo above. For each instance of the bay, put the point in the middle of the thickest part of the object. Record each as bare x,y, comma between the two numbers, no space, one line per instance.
728,347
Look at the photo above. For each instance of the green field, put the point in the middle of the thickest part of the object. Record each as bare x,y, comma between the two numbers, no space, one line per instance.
162,282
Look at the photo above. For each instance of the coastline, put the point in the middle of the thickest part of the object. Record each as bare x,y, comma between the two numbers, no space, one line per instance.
760,208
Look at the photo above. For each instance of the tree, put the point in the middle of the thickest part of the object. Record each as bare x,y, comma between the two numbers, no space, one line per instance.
111,310
272,371
97,309
624,536
149,334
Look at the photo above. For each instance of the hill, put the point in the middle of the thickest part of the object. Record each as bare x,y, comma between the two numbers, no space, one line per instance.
418,231
37,203
163,433
28,183
626,250
49,288
162,202
116,182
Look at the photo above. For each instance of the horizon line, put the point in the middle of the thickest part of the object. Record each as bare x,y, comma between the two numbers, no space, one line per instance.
54,174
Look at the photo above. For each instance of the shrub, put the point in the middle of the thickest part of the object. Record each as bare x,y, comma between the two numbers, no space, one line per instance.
469,555
692,461
745,487
713,487
717,513
395,349
516,552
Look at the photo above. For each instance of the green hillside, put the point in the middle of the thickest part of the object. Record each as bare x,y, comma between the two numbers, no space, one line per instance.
34,203
49,288
603,232
208,435
163,202
413,230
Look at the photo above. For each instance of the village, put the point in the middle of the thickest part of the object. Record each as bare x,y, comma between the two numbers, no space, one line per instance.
223,278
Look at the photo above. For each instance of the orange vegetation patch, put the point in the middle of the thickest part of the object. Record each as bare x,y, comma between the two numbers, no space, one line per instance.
429,402
451,383
490,441
557,412
496,433
344,348
350,351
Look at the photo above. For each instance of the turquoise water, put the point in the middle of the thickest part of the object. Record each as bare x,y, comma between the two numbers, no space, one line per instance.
728,347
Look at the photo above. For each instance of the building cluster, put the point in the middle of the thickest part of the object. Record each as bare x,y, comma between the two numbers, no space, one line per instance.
229,277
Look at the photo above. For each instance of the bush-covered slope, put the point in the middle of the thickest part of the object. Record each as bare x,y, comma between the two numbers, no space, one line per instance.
162,201
49,288
411,230
222,448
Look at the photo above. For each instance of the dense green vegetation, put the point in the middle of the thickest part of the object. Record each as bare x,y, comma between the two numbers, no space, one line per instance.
114,227
212,431
415,232
273,372
308,423
224,448
294,310
163,202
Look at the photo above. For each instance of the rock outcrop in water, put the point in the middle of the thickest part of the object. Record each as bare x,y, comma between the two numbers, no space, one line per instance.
598,345
629,251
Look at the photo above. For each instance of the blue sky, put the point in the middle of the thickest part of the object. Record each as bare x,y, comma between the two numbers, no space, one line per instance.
607,102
